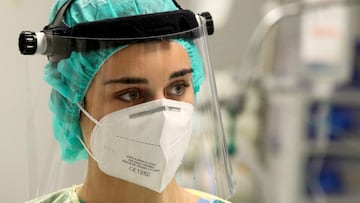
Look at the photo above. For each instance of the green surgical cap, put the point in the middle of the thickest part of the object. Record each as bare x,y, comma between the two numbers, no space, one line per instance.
71,77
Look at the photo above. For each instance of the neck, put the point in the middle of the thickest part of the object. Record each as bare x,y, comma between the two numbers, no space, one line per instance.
99,187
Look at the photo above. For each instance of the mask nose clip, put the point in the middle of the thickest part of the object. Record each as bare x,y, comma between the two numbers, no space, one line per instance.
158,109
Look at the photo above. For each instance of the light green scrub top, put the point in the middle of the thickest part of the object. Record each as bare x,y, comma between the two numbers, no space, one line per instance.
69,195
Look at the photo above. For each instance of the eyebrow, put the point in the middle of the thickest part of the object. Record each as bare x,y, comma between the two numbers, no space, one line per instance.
180,73
127,80
130,80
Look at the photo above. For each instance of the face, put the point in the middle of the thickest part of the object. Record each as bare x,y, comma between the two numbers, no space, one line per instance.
137,74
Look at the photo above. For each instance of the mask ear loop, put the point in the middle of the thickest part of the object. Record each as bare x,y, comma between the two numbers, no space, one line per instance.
88,115
88,151
79,138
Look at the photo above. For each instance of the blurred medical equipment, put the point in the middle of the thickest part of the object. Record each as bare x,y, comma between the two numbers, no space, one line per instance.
298,131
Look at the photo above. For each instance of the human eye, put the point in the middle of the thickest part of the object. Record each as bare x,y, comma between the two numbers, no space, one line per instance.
129,95
177,88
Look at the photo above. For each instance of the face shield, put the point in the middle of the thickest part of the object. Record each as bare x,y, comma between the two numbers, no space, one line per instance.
135,97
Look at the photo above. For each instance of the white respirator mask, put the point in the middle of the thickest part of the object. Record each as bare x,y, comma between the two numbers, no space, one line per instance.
142,144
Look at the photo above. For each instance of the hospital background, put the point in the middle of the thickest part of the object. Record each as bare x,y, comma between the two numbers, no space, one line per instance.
288,78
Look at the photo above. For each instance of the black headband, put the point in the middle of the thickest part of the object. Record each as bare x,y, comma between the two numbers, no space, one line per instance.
62,39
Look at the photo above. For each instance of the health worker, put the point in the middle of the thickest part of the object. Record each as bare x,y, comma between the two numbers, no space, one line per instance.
127,78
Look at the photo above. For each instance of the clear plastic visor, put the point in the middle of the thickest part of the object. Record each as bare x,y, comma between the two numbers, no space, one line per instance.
144,115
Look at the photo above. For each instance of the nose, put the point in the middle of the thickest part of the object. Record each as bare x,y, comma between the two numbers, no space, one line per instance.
155,95
159,95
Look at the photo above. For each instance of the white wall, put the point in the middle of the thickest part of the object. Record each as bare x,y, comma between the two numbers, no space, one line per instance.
21,83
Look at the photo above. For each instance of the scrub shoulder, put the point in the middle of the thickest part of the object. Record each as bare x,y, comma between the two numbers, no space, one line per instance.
68,195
